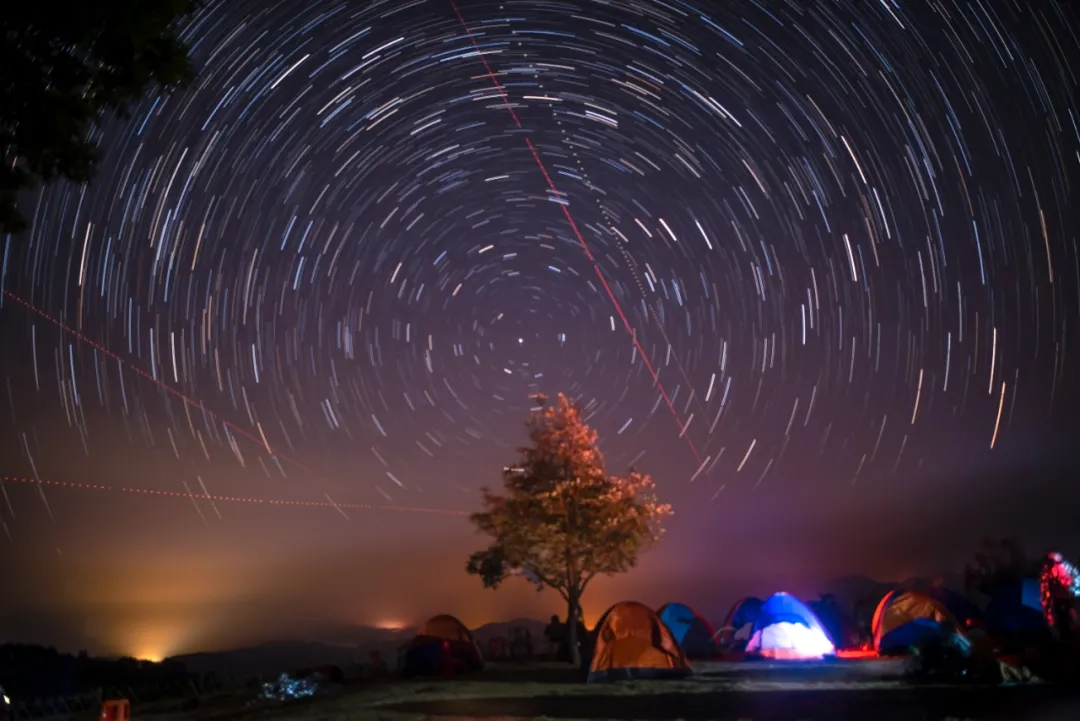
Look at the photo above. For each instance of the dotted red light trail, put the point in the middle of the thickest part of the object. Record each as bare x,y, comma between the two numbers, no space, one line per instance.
69,485
199,406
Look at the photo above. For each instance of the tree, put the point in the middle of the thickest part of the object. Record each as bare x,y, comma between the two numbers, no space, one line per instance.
561,520
998,563
65,63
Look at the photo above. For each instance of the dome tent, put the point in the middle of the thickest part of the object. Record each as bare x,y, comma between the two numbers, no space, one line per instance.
440,639
692,632
632,642
786,629
905,619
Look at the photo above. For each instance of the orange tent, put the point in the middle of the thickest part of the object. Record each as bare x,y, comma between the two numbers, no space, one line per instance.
880,610
632,642
903,617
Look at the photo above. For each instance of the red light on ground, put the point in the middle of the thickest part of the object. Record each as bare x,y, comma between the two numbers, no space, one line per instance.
854,654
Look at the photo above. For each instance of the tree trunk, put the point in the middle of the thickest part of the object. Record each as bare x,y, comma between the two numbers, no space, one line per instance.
572,631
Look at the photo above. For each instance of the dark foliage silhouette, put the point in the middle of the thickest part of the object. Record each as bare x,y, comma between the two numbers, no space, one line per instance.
65,63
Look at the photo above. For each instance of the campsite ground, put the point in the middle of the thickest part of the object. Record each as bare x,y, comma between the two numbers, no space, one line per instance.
866,689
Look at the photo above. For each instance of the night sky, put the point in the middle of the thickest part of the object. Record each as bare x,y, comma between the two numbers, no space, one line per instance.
813,266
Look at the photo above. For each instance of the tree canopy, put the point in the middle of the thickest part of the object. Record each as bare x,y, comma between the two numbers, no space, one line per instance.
561,520
63,63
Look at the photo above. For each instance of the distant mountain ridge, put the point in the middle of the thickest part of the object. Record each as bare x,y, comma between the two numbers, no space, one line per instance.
339,647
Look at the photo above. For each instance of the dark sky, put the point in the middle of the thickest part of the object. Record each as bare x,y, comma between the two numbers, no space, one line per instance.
255,374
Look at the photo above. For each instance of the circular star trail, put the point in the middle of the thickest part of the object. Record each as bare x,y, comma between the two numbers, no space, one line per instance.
752,238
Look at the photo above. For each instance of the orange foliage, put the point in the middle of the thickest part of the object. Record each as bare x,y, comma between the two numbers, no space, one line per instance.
560,519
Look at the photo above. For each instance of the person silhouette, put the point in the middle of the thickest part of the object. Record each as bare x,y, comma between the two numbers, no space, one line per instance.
555,633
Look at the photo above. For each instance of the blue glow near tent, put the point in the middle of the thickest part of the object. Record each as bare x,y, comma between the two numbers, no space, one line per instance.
786,628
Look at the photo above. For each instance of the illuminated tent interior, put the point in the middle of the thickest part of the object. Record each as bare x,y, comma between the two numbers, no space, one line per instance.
906,618
692,632
632,642
786,629
439,641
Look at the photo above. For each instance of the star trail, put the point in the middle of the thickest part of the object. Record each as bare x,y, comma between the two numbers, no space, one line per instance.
752,238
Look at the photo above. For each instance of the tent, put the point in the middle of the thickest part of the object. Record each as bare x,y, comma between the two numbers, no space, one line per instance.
1016,609
786,629
439,641
960,606
880,610
632,642
741,616
692,632
905,618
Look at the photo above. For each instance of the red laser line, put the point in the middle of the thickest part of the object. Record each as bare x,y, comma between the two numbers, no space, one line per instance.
581,238
70,485
263,442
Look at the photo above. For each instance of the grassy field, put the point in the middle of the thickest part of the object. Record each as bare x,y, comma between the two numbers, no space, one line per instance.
870,690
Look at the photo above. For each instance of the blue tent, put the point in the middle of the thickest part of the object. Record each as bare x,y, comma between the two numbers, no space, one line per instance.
692,632
959,605
743,613
1016,609
741,616
786,628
